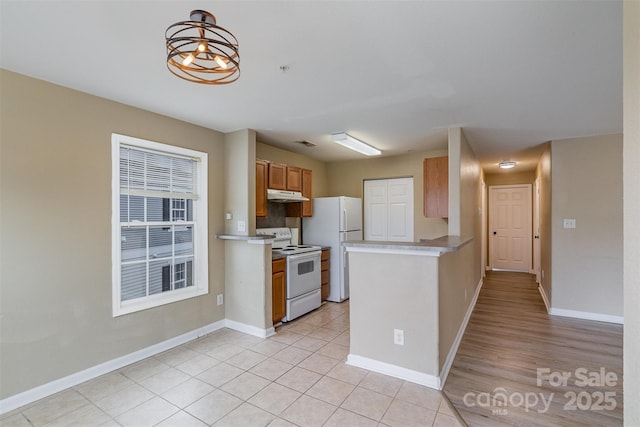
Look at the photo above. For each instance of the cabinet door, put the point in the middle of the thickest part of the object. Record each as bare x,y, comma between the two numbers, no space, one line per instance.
294,178
261,188
436,187
300,209
277,176
278,296
307,191
278,289
325,274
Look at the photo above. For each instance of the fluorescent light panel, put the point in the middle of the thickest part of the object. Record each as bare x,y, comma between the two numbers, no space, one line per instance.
348,141
506,164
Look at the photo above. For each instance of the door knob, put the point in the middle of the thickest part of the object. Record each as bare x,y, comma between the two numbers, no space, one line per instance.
495,232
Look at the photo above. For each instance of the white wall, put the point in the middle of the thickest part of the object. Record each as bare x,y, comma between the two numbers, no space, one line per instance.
587,261
631,212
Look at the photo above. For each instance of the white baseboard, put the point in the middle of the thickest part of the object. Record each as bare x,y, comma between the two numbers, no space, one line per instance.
456,342
585,315
417,377
248,329
12,402
545,299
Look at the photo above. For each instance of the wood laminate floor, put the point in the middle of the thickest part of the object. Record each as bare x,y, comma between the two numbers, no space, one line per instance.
519,366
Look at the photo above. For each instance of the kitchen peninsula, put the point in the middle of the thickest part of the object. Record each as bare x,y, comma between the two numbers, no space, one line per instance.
409,304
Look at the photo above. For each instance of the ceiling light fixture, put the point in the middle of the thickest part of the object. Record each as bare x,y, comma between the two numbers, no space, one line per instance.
348,141
507,164
202,52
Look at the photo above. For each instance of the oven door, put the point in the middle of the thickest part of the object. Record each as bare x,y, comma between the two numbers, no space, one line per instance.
303,273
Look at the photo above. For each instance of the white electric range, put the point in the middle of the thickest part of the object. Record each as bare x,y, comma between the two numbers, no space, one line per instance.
303,271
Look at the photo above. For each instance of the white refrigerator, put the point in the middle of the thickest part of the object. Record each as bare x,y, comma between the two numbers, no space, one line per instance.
335,220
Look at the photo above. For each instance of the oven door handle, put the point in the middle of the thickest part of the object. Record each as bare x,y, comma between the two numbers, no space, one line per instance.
309,255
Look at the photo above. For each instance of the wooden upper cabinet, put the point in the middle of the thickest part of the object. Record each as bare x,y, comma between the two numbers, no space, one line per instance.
307,191
277,176
261,188
294,178
436,187
302,209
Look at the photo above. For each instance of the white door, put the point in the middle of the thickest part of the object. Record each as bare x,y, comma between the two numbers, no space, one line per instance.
389,209
510,227
375,211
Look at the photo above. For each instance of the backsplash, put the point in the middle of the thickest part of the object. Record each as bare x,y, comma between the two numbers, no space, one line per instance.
276,216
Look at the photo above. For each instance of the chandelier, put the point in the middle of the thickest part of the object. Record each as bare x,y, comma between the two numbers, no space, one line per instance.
202,52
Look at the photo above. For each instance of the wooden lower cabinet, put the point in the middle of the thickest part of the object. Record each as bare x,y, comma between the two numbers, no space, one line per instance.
278,289
325,274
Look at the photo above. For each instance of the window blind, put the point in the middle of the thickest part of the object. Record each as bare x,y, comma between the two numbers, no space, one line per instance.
152,174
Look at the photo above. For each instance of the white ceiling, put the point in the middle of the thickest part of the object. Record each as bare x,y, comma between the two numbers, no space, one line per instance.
397,74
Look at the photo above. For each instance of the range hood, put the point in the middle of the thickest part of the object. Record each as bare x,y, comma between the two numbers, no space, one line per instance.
282,196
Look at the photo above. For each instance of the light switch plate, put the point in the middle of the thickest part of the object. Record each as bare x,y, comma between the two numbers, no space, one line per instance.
569,223
242,226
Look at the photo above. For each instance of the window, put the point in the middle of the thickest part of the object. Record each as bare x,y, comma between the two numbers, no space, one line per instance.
159,216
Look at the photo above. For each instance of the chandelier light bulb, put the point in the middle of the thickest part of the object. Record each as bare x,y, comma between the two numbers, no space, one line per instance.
220,62
188,59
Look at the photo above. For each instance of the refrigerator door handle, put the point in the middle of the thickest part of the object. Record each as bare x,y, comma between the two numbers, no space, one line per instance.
344,220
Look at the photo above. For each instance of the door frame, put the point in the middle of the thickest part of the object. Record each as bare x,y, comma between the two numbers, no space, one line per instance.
485,230
530,220
537,254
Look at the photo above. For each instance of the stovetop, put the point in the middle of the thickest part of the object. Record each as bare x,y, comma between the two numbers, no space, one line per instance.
283,241
296,249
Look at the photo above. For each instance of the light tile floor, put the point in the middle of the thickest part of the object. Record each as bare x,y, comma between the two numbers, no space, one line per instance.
296,378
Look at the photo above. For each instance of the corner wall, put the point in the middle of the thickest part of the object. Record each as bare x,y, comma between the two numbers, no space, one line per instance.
631,211
587,260
543,172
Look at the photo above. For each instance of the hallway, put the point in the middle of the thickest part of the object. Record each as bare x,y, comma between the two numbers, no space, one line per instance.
517,365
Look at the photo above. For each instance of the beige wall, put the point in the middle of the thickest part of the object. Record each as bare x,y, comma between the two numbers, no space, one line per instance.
55,269
587,260
460,272
510,177
395,291
248,286
543,173
346,179
457,286
631,211
240,179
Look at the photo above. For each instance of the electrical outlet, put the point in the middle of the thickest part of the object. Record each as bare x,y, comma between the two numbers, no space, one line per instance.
569,223
398,336
242,226
220,299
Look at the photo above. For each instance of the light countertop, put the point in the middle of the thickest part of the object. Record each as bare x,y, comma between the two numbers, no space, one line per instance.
439,245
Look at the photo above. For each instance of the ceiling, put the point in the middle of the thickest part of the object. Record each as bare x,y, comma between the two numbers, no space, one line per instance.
396,74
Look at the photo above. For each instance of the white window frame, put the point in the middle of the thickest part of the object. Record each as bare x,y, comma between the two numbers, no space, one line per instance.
200,228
